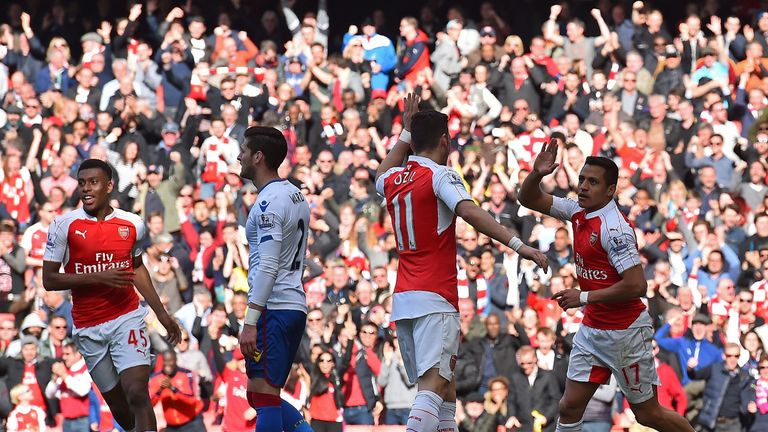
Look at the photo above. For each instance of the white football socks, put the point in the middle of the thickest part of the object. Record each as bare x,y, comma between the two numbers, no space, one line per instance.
424,412
447,417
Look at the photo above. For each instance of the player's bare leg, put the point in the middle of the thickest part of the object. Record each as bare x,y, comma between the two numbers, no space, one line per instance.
434,392
273,413
135,384
653,415
118,405
573,403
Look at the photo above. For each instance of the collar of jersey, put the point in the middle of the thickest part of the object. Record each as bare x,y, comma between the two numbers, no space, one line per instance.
263,188
422,160
93,218
611,206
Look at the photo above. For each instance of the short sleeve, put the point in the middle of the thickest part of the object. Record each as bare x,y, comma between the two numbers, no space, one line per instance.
382,178
563,208
450,188
620,245
141,231
56,246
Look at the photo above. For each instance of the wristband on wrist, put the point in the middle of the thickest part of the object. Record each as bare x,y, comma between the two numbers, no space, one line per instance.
252,316
515,244
584,297
405,136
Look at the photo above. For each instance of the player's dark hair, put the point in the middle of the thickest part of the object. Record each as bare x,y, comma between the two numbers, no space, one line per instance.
426,129
611,170
269,141
98,164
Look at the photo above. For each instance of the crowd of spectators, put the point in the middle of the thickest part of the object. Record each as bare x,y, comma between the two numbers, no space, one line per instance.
165,93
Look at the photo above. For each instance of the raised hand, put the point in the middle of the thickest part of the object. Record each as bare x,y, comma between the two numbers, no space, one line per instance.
135,12
545,162
411,107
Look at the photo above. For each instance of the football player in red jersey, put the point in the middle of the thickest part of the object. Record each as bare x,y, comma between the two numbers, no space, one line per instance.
423,198
98,246
615,336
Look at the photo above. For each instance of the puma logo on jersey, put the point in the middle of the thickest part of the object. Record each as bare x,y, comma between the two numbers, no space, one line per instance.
144,353
81,233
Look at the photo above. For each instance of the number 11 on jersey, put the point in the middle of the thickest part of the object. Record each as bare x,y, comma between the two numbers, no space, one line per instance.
407,205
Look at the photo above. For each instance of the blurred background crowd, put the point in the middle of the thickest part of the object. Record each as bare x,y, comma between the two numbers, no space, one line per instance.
675,92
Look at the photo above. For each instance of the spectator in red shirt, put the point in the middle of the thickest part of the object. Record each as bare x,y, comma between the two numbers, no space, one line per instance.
178,391
238,415
71,384
326,397
361,394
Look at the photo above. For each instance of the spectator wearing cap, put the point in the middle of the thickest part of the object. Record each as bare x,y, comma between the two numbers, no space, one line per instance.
727,392
378,51
158,195
71,385
32,371
712,75
413,52
669,72
471,415
692,345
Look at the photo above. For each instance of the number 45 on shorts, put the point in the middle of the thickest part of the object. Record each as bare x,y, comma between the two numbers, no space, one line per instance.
134,340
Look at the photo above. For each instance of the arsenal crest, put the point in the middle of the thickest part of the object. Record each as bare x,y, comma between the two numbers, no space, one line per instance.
593,238
123,231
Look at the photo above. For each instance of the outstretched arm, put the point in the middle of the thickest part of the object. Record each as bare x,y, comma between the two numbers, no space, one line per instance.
531,195
401,149
483,222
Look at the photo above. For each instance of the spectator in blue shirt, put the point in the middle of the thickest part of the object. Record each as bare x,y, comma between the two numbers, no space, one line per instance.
693,344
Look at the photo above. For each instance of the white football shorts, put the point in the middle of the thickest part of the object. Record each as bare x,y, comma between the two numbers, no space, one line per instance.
627,354
427,342
114,346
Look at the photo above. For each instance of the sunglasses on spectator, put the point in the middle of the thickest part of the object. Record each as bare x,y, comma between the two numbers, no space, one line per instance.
326,360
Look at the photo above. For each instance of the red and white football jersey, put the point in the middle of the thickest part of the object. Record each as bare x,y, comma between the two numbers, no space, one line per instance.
27,418
34,240
421,199
84,245
604,247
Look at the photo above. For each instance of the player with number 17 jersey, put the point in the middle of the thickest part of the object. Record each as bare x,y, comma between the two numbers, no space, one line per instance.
421,199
